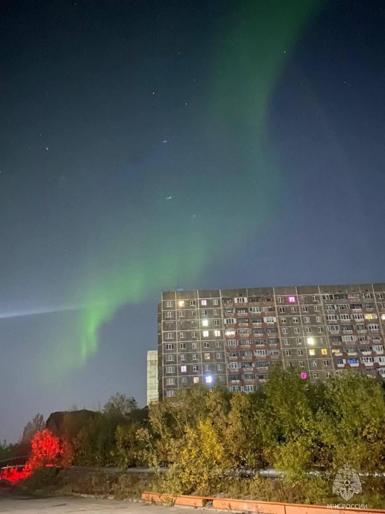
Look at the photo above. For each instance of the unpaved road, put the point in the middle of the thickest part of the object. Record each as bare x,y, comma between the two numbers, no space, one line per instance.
68,505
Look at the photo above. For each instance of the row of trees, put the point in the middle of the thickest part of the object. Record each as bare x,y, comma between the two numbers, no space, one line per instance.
205,441
307,430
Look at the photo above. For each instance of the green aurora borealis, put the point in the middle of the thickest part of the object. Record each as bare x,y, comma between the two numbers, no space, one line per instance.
189,214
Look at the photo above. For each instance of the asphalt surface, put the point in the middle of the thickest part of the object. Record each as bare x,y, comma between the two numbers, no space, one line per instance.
66,505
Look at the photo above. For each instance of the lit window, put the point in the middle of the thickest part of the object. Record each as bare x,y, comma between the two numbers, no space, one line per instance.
183,369
312,352
370,316
208,379
310,341
292,299
324,351
207,356
230,332
205,333
181,303
383,317
217,333
196,380
205,322
203,302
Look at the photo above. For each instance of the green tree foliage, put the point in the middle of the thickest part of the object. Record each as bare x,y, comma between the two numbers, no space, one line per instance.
209,440
120,405
109,438
201,461
243,431
351,423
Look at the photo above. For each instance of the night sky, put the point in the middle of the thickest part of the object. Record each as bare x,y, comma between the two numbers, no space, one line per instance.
161,144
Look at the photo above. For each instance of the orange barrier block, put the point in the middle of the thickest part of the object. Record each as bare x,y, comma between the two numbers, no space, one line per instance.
248,506
191,501
259,507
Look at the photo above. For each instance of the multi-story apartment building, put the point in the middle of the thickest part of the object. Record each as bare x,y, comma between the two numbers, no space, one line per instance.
233,336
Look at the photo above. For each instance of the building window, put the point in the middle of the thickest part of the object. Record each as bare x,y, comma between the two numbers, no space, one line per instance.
218,356
181,335
206,344
182,357
183,369
182,346
217,333
169,336
169,304
324,351
170,357
195,369
205,333
169,314
170,393
215,301
170,370
169,346
196,380
192,303
312,352
170,381
205,322
207,356
204,302
194,357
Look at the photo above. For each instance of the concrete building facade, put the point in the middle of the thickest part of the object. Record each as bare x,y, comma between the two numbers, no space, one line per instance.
232,337
152,377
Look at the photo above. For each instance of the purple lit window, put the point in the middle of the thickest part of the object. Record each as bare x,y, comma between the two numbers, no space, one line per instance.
292,299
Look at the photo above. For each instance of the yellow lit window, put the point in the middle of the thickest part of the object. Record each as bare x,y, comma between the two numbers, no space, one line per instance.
324,351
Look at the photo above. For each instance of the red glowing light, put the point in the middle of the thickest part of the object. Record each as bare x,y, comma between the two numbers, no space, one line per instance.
47,451
14,474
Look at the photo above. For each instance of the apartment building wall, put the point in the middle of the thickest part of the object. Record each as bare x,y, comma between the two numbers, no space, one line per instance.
152,377
233,336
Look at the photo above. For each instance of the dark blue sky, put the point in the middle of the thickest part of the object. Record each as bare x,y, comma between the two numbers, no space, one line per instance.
174,144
